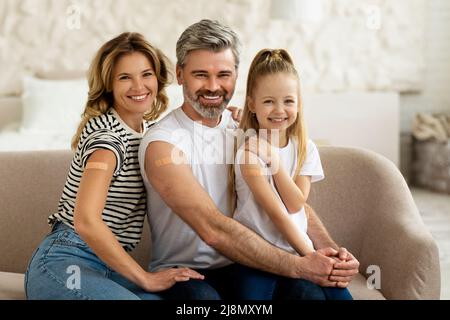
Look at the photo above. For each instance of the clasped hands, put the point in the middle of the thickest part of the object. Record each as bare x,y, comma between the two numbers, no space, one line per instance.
344,267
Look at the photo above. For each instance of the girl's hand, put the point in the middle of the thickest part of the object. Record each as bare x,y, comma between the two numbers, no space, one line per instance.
164,279
263,150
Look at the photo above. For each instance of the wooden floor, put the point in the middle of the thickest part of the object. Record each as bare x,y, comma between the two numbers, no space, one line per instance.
435,211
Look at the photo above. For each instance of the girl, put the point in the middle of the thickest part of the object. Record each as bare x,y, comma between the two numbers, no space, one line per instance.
273,171
102,208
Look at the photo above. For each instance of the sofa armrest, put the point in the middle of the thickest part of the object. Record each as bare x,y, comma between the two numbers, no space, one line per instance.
406,254
366,205
396,239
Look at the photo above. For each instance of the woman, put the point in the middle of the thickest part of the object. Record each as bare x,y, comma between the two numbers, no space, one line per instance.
101,211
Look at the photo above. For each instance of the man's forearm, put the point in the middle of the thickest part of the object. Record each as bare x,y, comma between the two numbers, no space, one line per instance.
244,246
317,232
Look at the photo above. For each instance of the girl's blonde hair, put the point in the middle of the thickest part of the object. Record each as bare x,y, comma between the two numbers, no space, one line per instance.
100,77
269,62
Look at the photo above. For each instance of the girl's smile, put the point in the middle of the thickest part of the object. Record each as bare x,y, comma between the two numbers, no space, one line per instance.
275,102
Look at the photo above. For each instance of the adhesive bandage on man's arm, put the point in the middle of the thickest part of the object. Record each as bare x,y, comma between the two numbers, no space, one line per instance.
163,161
175,158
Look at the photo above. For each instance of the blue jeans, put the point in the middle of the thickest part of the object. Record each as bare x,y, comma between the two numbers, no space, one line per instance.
217,285
63,267
252,284
242,283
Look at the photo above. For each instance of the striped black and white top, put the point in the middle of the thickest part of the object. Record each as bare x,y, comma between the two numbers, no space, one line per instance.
125,206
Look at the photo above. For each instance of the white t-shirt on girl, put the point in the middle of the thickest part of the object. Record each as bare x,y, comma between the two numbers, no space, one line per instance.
251,214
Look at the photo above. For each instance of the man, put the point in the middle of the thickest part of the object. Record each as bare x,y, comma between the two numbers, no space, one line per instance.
183,160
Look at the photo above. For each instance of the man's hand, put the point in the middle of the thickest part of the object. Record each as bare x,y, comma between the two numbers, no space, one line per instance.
345,269
318,265
236,113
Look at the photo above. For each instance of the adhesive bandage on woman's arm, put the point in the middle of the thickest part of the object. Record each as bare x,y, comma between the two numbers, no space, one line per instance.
97,166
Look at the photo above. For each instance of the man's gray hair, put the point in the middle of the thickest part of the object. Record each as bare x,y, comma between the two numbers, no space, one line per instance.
209,35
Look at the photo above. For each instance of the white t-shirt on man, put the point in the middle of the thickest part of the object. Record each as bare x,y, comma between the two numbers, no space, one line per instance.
208,150
251,214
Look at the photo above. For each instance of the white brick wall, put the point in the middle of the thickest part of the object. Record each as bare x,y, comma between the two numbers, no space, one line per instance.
339,53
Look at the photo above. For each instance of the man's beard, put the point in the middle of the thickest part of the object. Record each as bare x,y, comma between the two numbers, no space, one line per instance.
207,111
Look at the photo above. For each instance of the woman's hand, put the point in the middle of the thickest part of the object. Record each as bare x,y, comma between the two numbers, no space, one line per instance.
164,279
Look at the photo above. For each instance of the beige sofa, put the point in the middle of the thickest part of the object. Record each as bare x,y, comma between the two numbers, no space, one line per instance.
363,201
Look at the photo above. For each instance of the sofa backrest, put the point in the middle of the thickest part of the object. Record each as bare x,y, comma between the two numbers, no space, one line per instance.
31,184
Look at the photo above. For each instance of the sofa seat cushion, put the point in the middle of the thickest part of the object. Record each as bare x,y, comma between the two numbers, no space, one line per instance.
11,286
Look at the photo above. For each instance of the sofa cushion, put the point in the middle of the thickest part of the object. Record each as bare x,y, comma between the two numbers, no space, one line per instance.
63,99
11,286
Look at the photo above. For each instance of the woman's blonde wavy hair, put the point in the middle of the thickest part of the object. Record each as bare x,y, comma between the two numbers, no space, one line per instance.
269,62
100,77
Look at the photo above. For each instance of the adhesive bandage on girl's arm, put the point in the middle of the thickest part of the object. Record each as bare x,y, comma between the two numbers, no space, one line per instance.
96,165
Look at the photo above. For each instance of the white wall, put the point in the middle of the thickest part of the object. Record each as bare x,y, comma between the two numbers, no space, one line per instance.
435,96
355,119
